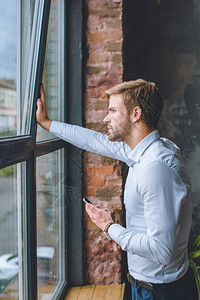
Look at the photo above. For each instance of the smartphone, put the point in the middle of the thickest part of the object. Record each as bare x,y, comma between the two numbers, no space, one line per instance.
87,201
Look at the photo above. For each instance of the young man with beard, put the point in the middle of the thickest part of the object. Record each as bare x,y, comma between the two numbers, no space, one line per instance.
157,191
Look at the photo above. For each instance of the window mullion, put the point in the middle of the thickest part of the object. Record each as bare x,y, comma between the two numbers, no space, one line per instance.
30,240
74,27
14,150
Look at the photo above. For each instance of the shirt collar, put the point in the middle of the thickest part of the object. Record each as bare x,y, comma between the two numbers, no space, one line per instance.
136,153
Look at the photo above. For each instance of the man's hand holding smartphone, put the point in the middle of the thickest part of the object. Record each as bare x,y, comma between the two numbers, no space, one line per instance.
101,217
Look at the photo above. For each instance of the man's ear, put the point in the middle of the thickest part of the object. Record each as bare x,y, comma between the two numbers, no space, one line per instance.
136,114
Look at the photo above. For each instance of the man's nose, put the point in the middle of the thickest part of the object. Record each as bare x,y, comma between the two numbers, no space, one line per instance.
106,119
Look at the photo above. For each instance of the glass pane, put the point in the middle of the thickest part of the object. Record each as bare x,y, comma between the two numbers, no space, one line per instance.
52,70
8,67
50,221
11,271
15,31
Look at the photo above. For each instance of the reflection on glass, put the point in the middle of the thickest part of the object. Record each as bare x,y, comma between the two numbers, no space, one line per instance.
49,186
50,75
10,239
8,67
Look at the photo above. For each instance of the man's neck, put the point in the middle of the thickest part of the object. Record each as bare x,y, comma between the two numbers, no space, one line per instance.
137,135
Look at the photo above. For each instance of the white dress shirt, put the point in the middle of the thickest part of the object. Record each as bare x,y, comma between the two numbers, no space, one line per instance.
157,201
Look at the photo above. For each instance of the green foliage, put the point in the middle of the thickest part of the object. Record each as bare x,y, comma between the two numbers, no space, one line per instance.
8,133
6,172
194,257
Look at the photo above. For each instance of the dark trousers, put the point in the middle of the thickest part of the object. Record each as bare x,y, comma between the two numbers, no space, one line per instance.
182,289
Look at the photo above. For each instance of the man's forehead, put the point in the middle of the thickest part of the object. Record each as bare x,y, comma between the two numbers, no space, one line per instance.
115,100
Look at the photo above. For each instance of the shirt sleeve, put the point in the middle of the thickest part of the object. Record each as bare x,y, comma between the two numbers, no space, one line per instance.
163,194
90,140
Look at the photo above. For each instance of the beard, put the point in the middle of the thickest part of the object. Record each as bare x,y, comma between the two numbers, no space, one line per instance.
120,132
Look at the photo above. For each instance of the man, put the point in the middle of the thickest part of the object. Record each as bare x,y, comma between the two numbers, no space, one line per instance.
157,190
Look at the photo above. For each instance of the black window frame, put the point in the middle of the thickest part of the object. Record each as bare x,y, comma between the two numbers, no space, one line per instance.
18,149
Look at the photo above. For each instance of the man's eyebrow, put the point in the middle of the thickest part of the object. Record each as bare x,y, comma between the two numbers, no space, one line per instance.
112,107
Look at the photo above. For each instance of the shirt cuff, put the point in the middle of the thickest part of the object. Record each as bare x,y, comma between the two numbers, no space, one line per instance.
114,231
53,127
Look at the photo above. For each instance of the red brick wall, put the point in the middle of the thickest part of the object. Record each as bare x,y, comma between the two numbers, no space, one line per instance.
103,181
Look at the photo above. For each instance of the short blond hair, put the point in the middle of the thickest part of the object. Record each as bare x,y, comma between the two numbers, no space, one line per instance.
140,93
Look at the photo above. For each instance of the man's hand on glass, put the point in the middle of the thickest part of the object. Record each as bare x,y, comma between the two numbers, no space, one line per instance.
101,217
41,113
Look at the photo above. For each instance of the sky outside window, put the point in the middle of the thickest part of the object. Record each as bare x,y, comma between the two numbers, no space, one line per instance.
8,38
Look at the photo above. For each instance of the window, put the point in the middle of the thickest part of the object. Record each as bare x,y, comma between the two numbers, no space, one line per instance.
11,254
50,221
53,68
38,177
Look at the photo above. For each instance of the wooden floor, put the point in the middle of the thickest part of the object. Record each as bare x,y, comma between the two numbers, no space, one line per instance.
87,292
96,292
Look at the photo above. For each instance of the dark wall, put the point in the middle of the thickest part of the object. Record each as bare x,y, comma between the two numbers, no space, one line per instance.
162,44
